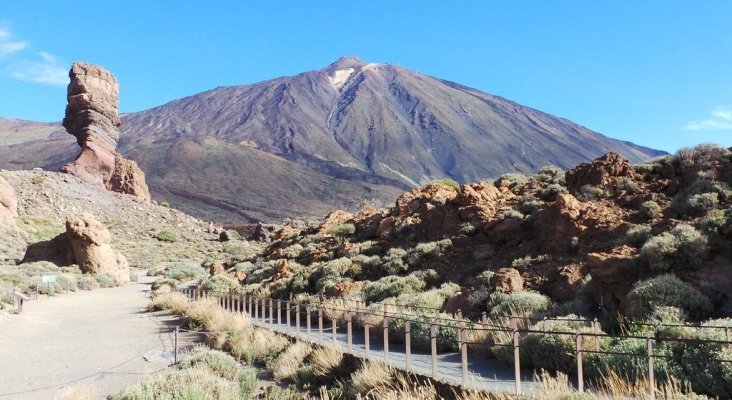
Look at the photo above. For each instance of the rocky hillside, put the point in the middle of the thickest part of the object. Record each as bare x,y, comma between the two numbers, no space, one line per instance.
352,132
584,241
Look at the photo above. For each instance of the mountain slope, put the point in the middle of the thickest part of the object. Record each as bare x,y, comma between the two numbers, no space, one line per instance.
333,136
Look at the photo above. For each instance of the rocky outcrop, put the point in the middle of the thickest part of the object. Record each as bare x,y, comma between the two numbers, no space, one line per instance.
600,172
12,241
507,280
613,274
8,204
336,217
91,246
128,178
558,223
92,117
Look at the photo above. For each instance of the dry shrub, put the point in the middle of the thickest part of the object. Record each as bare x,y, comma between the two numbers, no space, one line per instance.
173,301
256,344
77,392
221,323
325,362
404,387
370,376
287,364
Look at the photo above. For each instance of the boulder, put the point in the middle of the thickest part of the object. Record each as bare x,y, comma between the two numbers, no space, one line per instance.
600,172
507,280
286,232
337,217
128,178
92,117
91,246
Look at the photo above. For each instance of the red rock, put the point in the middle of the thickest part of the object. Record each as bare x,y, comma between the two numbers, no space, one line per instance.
600,172
507,280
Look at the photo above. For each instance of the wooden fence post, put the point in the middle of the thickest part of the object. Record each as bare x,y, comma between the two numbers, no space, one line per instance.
297,318
386,338
271,311
287,316
433,345
517,360
334,325
596,330
366,340
408,343
464,352
651,377
580,375
307,319
320,323
256,307
279,312
349,329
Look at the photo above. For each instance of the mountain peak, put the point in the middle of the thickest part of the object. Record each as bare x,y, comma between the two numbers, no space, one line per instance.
347,62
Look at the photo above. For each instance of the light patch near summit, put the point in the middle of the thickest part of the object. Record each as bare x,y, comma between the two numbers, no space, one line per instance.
340,77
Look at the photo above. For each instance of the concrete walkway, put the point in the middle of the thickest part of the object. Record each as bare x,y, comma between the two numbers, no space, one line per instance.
103,339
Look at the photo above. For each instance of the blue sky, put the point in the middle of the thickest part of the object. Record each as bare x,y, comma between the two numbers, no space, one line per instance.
658,73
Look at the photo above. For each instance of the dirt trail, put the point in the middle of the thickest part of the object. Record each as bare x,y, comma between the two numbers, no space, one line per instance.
101,338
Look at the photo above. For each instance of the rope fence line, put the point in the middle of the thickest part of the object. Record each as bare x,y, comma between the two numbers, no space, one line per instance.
270,312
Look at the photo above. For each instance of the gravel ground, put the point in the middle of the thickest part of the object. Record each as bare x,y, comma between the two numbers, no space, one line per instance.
103,338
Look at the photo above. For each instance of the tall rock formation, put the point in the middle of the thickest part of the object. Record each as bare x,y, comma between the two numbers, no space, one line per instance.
12,241
92,116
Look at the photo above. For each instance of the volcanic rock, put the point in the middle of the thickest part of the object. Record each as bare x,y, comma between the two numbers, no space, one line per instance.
600,172
91,246
613,274
128,178
92,117
507,280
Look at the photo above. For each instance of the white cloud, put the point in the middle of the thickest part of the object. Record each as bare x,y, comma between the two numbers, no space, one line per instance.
20,61
9,46
720,120
44,69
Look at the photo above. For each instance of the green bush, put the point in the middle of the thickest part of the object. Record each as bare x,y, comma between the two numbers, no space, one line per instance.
714,221
236,248
292,251
590,193
551,175
221,284
555,352
450,182
421,328
637,236
550,192
426,250
105,280
166,236
516,181
700,362
649,210
681,248
205,375
529,204
525,303
515,214
391,286
703,202
666,290
183,272
342,230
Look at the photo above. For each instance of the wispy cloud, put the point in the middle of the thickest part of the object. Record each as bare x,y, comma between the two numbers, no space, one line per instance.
9,46
44,69
720,120
20,61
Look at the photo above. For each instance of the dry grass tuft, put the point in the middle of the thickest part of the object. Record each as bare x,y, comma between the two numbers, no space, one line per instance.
77,392
221,323
286,366
256,344
370,376
326,361
404,387
173,301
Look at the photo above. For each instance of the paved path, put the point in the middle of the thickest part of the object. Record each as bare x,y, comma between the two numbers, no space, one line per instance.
103,338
